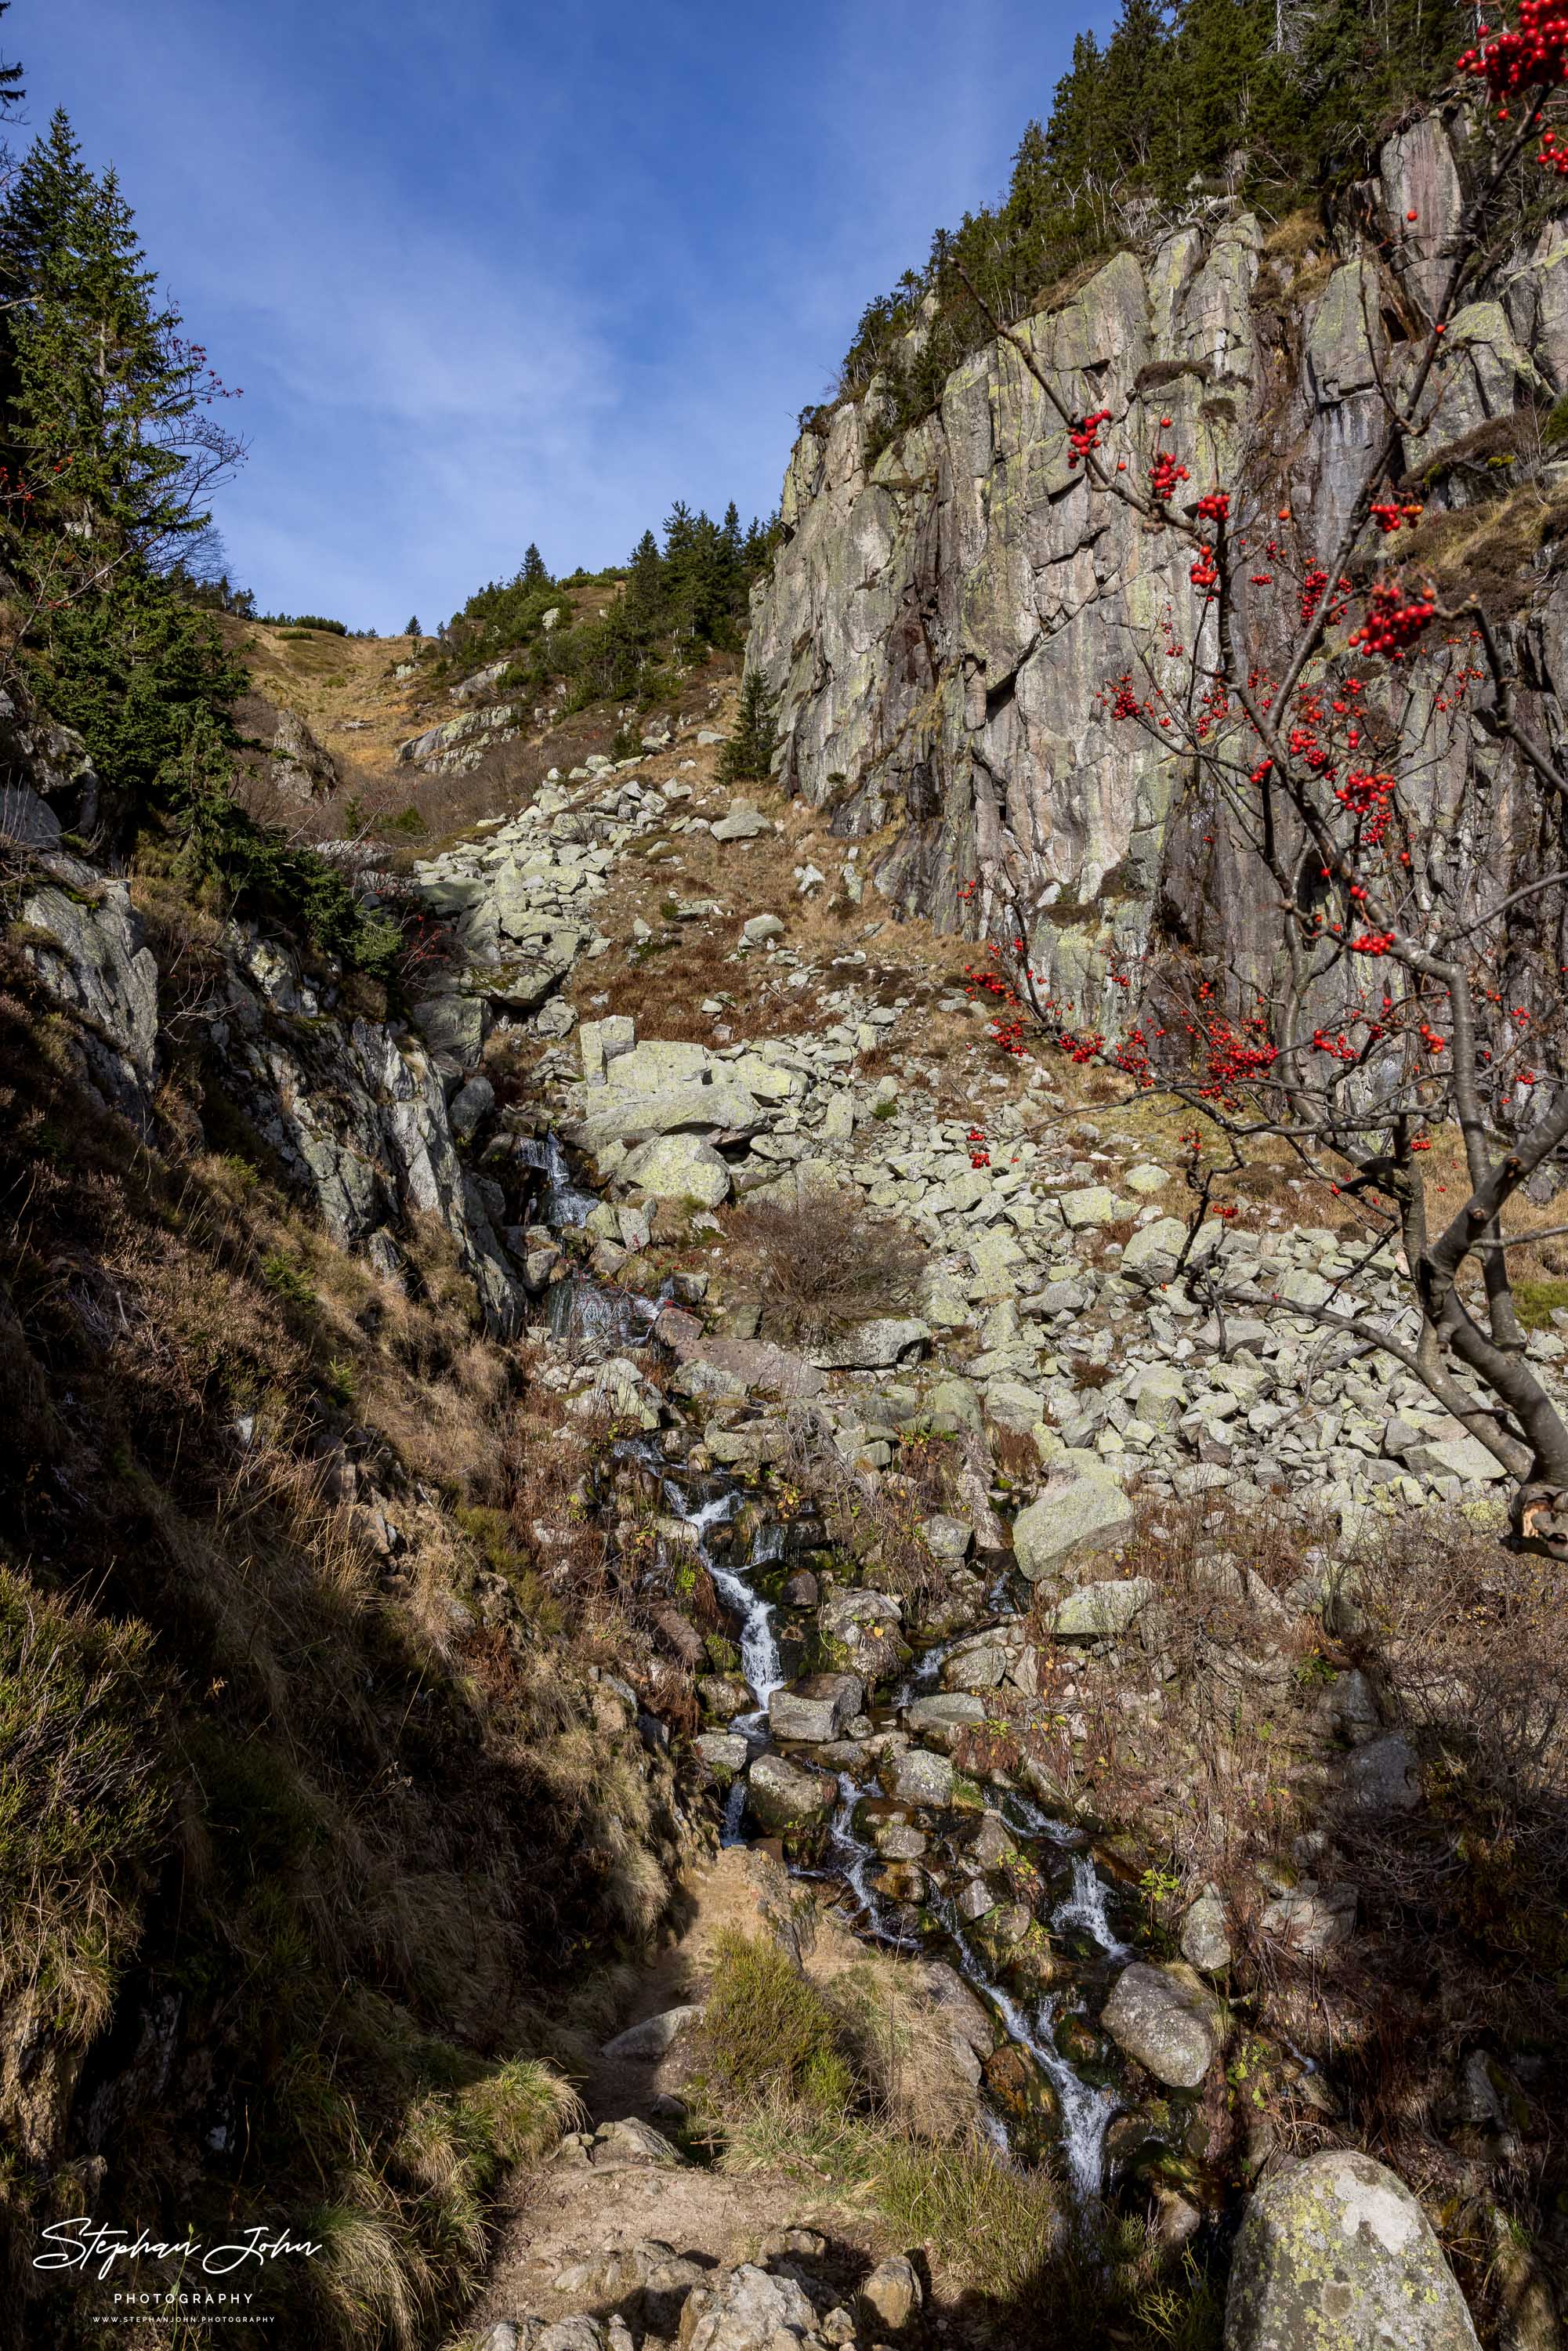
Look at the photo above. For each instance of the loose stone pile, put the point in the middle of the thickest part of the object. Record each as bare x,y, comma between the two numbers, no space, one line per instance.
1049,1306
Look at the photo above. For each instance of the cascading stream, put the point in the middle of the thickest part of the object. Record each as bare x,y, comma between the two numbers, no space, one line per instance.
596,1318
1085,2111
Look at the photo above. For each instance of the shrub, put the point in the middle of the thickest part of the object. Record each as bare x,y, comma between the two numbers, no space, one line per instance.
825,1264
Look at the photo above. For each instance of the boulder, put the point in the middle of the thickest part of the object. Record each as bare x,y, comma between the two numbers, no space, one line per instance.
783,1793
1078,1518
892,2294
944,1717
1335,2250
1205,1937
631,2144
1101,1612
918,1777
1164,2018
634,1114
1310,1918
863,1631
1091,1204
679,1167
649,2039
722,1750
742,823
747,2309
875,1347
818,1709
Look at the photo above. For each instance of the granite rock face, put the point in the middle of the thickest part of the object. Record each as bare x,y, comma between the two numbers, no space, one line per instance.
943,620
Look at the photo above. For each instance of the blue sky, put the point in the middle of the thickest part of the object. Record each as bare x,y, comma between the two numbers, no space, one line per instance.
491,271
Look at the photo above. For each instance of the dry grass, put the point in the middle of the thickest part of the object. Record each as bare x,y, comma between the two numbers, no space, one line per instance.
355,1745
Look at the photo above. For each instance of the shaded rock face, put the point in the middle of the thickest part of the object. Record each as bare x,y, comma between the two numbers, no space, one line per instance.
944,617
1337,2251
354,1113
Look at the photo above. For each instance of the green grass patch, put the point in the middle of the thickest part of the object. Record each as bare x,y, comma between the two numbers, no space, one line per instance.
1534,1300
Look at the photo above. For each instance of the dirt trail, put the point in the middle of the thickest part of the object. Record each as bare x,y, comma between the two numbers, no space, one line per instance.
568,2212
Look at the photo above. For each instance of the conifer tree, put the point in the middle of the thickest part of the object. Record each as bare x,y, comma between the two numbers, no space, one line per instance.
107,406
748,756
534,573
410,627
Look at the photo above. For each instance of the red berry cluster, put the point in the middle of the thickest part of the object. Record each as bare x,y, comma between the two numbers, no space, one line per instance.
1214,506
1082,439
1552,157
1163,476
1388,517
1393,621
978,1154
1312,587
1370,798
1372,942
1535,56
1205,572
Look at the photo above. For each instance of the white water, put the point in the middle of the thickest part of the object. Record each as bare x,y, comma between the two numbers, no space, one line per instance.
1086,1907
1085,2112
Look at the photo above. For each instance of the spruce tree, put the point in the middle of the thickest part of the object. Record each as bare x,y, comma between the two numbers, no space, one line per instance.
107,407
534,573
748,756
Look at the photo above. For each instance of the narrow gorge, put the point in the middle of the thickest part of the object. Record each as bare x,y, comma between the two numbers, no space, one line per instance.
697,1651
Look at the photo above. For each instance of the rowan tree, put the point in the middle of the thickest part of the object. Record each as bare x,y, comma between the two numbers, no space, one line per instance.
1358,735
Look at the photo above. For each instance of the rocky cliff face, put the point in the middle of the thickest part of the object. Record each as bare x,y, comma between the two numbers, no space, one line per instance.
944,617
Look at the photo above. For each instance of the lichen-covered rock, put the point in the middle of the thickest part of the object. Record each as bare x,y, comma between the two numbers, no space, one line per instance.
1335,2252
1099,1612
1072,1518
783,1794
1162,2017
863,1632
746,2309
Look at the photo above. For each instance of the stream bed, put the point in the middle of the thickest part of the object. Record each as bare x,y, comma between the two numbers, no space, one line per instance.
1004,1895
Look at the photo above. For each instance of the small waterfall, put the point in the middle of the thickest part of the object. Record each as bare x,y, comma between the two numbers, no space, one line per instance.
565,1203
1085,2111
588,1318
1086,1907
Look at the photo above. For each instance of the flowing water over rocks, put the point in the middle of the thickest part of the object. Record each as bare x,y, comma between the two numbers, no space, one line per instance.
827,1799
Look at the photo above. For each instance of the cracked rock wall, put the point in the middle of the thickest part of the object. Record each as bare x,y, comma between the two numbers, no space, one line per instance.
940,624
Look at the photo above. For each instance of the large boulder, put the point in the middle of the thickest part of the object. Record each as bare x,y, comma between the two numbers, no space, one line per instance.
783,1794
635,1114
1165,2017
874,1346
818,1709
1101,1612
1074,1518
1334,2249
679,1167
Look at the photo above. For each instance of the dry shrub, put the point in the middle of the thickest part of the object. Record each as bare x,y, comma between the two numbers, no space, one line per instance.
1469,1645
824,1264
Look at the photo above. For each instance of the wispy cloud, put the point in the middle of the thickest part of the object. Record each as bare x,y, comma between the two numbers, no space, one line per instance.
503,271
